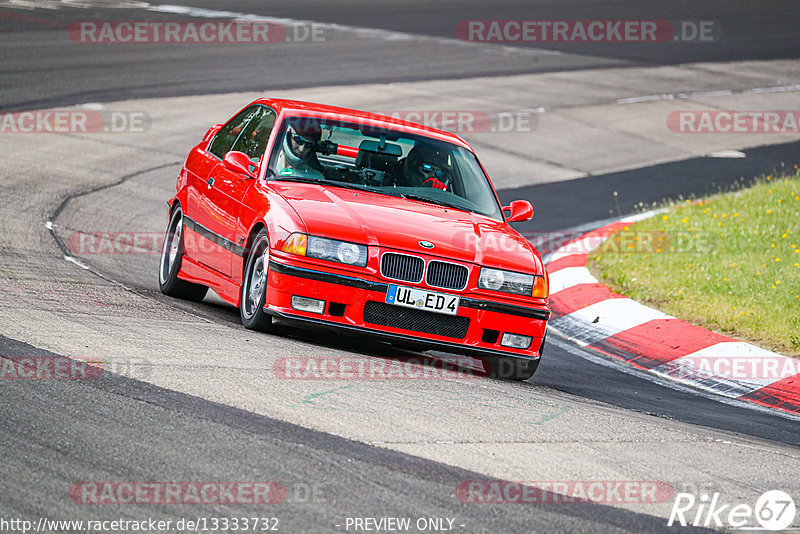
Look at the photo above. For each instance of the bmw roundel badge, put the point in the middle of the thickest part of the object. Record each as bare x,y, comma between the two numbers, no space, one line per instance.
426,244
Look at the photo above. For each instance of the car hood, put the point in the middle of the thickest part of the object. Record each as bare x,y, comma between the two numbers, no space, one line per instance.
400,224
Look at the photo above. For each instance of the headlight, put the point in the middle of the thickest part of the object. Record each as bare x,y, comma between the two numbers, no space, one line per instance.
326,249
511,282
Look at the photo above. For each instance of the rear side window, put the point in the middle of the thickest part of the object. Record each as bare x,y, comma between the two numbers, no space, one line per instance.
255,135
228,134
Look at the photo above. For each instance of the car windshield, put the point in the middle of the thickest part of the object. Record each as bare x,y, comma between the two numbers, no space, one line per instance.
346,154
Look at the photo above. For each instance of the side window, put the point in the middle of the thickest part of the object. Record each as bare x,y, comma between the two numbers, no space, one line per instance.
228,134
255,135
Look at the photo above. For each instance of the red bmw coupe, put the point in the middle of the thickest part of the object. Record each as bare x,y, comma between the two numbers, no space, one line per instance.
336,217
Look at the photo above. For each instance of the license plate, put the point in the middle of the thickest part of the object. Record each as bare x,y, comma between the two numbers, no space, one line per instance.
422,299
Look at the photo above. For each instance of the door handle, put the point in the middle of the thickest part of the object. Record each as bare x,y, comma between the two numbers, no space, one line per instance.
210,182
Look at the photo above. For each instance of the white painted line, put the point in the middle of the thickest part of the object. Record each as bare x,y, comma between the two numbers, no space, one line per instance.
648,98
77,262
710,93
779,89
568,277
630,219
700,94
727,154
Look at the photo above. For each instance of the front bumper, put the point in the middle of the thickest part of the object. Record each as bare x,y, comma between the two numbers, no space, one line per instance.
480,322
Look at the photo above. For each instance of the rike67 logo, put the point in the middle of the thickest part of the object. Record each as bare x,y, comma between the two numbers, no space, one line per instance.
773,511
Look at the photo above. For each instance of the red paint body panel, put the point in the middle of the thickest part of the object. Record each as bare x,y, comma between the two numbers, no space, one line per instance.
224,217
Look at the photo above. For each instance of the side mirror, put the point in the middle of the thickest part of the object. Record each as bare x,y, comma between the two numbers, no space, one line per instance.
239,162
518,210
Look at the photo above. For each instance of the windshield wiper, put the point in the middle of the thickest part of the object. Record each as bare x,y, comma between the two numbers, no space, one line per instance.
322,181
412,196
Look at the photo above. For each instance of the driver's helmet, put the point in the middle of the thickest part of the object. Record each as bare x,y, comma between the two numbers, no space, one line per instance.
301,141
425,162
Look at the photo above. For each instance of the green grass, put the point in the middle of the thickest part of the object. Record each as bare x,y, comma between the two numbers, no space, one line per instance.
730,262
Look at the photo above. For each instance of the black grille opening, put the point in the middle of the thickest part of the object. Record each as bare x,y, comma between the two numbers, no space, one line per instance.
402,267
383,314
447,275
336,309
490,336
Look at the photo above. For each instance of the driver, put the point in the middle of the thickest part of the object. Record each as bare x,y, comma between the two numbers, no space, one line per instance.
426,166
298,150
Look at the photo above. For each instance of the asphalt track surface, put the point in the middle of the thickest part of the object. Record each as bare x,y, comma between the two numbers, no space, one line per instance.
118,428
41,66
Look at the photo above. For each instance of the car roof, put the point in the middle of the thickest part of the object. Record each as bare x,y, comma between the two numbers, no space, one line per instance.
310,109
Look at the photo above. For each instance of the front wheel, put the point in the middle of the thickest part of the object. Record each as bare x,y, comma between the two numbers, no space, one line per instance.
170,263
510,368
513,368
254,286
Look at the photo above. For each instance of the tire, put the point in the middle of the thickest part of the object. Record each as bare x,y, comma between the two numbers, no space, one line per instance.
254,286
513,368
170,263
510,368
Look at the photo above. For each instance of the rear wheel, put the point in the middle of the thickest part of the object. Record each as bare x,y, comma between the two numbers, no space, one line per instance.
170,264
254,286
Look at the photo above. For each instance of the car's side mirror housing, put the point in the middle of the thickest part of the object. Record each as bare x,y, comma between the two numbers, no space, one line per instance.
518,210
239,162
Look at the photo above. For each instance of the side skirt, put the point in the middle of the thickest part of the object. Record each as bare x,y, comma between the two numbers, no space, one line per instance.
227,289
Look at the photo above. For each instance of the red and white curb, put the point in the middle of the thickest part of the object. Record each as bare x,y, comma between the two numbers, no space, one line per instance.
591,315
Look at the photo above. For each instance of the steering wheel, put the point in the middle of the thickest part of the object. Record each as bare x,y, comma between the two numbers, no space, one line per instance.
435,183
